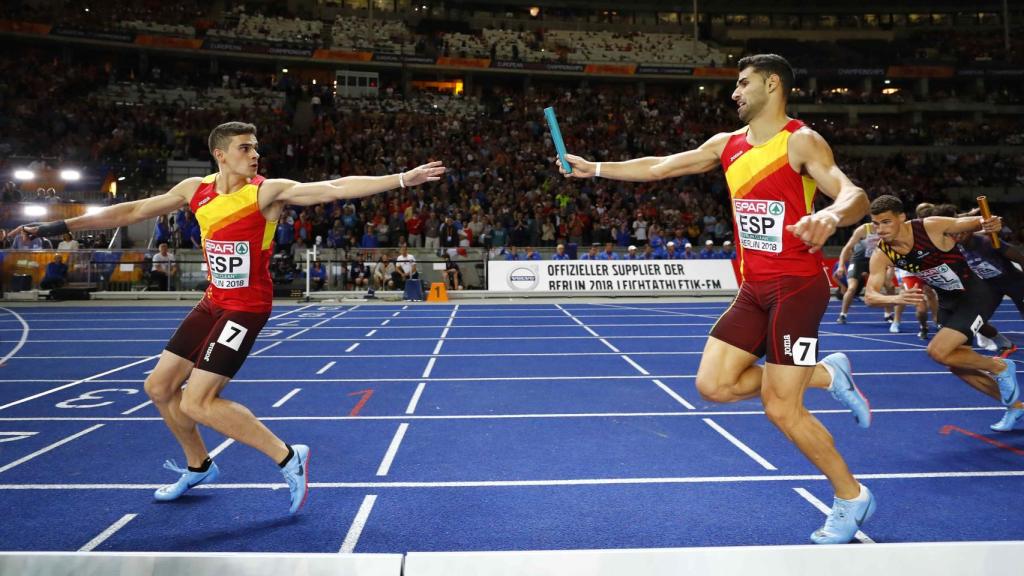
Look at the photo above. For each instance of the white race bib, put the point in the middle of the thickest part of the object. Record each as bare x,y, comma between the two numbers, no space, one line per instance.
942,277
229,264
760,224
984,270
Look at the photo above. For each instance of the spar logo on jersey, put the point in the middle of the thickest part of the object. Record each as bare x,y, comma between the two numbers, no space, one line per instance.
229,263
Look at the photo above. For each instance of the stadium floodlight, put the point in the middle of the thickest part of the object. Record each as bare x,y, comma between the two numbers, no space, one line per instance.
70,175
35,210
92,209
284,70
24,175
120,178
887,82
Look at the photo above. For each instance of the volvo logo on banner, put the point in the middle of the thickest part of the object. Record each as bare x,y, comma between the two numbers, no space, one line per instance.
523,278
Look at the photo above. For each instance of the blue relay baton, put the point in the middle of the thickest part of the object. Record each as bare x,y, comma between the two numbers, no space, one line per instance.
556,137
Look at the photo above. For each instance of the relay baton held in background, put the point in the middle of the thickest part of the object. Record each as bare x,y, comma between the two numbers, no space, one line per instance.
556,137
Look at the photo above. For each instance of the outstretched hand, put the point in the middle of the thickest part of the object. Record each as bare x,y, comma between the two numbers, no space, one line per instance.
426,173
580,167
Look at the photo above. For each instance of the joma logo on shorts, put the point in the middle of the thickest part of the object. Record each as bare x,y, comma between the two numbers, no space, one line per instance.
787,345
209,350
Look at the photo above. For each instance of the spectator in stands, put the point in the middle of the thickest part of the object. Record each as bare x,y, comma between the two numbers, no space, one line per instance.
448,234
452,274
499,235
384,273
317,276
670,251
406,266
11,192
431,231
512,254
531,254
24,242
164,268
369,238
727,253
162,232
708,252
592,254
414,229
688,253
56,274
285,233
608,253
560,253
631,254
68,242
298,250
358,275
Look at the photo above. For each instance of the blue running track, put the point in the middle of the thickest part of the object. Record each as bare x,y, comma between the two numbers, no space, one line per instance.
483,427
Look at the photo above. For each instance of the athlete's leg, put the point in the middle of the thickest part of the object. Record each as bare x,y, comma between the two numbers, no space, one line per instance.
163,386
728,374
201,401
782,394
949,347
852,287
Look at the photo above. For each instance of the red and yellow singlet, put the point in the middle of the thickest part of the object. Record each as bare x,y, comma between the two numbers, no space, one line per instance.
768,195
237,245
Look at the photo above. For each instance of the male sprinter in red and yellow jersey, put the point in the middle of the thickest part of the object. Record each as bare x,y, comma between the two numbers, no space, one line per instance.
237,211
774,165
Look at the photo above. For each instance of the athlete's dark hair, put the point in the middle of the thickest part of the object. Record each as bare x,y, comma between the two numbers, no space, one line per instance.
948,210
221,136
925,209
887,203
768,64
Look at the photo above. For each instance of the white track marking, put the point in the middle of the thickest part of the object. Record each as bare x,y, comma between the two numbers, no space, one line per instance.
137,408
76,382
103,536
389,456
53,446
737,443
415,398
348,546
221,447
674,395
286,397
21,341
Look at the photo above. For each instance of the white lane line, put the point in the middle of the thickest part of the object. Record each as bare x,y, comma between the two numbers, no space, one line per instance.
430,366
326,367
444,333
265,348
860,536
148,372
53,446
77,382
395,314
358,523
609,345
21,342
137,408
673,394
221,447
389,456
103,536
415,398
283,314
635,365
882,340
509,416
437,348
736,442
352,347
385,323
286,398
522,483
370,333
404,307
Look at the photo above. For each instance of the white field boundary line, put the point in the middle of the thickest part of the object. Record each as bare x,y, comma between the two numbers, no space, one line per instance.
510,416
531,483
92,378
21,341
432,339
355,530
53,446
392,451
467,379
615,352
411,408
286,398
304,330
913,345
739,444
220,448
103,536
824,509
660,310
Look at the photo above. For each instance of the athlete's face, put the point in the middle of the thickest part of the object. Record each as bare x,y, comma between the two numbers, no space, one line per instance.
887,224
241,156
751,93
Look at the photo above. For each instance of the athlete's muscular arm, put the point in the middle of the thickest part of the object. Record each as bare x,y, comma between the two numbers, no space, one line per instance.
844,256
310,193
119,214
809,154
702,159
873,295
938,225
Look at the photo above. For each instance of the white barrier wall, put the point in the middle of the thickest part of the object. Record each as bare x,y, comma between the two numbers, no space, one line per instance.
611,276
